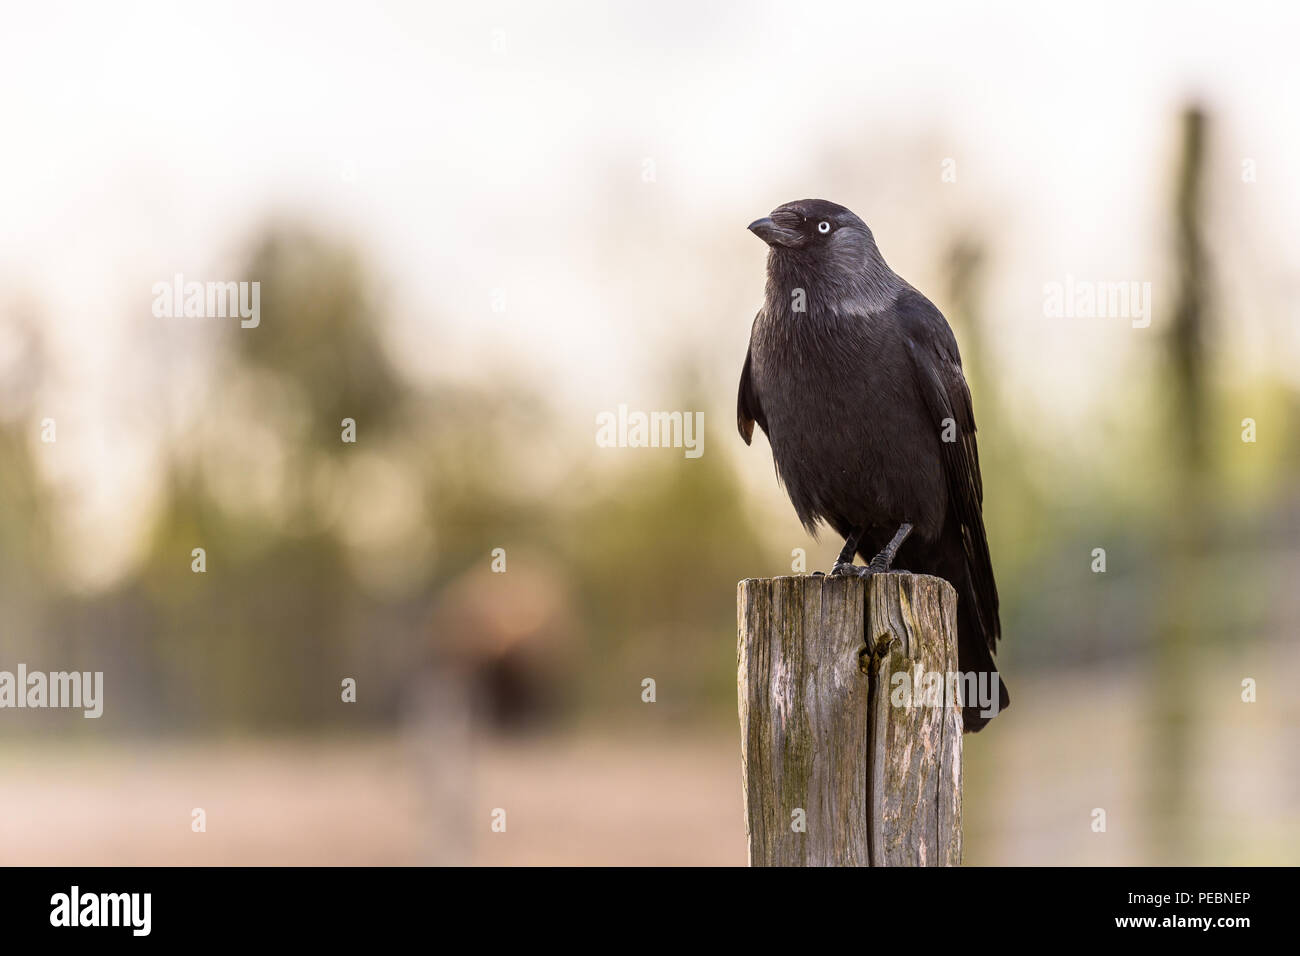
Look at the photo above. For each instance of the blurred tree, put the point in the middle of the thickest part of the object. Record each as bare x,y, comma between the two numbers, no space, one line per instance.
263,637
659,547
27,561
323,556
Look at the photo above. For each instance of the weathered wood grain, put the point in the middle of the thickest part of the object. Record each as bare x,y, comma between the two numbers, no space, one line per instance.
838,767
915,784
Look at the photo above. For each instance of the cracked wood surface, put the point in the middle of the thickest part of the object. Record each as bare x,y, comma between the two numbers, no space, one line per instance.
848,757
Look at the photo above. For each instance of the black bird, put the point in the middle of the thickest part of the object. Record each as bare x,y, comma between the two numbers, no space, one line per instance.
856,379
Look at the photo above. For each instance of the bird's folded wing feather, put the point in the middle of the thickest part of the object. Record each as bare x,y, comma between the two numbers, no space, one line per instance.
939,377
748,410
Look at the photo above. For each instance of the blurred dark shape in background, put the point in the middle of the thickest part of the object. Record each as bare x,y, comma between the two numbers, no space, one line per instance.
510,636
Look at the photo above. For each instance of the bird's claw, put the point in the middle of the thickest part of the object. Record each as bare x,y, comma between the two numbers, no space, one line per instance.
858,570
846,569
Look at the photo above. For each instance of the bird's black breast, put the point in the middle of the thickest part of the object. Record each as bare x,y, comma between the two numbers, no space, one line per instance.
851,438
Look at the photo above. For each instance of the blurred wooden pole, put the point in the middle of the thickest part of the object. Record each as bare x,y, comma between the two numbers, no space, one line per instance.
1189,517
835,774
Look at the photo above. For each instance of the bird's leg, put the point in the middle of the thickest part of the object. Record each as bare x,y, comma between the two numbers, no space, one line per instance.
844,563
885,559
879,564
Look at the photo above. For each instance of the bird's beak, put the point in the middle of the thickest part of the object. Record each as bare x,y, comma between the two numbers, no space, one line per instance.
771,233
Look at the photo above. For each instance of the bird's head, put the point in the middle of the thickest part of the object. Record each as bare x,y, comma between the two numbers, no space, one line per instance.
811,224
817,231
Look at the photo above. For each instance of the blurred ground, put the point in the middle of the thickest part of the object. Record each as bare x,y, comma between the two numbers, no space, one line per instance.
600,798
582,800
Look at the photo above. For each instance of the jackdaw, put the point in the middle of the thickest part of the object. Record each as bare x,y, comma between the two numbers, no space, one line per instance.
855,377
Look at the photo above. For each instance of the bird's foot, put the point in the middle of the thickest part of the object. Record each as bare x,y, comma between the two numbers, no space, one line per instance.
875,566
879,565
884,561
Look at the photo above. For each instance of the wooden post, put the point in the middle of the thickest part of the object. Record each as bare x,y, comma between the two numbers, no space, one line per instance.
823,745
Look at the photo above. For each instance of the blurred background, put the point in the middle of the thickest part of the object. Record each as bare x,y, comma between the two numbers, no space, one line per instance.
479,226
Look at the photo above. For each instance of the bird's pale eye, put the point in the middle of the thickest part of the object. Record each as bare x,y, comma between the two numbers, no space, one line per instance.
823,227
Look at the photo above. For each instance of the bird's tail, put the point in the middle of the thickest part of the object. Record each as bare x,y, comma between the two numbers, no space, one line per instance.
973,655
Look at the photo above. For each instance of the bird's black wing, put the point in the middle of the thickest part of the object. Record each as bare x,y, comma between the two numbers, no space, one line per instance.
748,409
942,385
